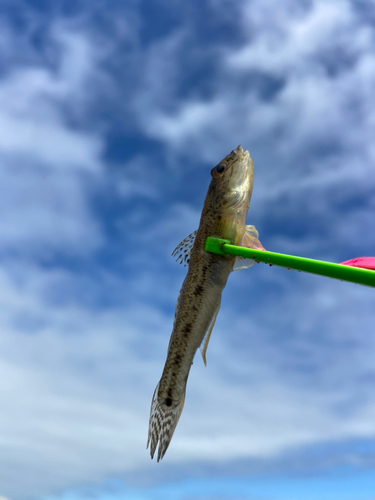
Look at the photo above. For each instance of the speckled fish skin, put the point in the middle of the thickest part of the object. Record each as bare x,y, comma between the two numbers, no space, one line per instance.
224,216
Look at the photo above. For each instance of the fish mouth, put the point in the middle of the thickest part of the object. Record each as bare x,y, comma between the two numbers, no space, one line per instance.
245,161
240,152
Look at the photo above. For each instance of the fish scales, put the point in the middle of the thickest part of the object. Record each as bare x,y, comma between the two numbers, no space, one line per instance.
223,215
200,293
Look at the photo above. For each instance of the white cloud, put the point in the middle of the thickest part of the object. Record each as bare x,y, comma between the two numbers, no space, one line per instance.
137,178
71,388
297,47
43,209
45,163
48,142
298,36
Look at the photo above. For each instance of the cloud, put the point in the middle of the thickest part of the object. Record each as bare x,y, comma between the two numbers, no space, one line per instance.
313,59
57,418
300,38
46,164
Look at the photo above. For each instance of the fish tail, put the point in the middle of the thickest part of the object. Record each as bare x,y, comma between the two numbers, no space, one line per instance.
163,421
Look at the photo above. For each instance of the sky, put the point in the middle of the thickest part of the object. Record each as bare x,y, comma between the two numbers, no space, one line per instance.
112,114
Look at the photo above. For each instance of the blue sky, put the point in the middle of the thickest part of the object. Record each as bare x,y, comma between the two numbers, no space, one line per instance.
112,115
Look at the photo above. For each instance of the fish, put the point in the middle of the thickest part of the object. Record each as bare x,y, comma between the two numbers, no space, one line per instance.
223,216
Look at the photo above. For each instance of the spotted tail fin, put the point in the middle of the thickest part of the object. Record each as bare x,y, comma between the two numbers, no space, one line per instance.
163,421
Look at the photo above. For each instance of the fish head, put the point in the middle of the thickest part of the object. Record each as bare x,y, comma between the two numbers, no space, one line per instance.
232,184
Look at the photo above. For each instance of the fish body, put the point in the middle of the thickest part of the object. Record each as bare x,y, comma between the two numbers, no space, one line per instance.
224,216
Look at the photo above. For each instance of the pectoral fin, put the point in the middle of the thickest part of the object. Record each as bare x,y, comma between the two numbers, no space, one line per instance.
249,240
182,251
206,339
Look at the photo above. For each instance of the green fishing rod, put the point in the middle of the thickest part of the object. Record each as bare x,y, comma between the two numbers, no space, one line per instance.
320,267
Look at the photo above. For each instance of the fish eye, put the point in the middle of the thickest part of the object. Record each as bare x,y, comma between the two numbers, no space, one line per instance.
217,171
